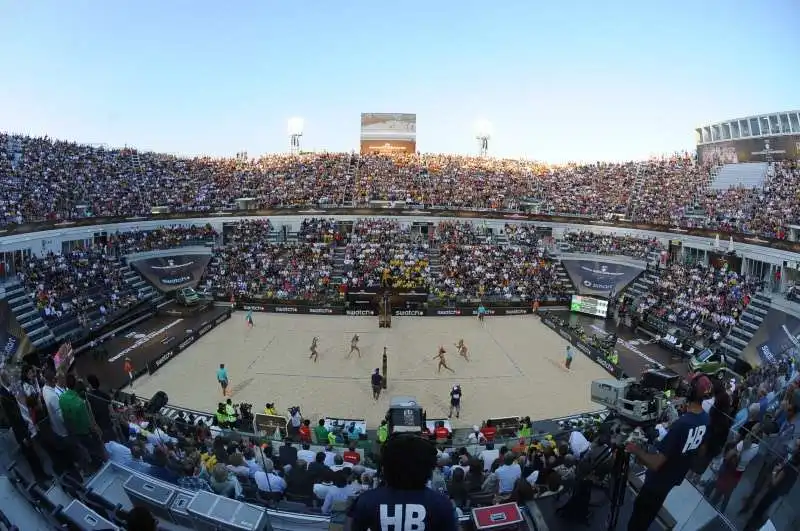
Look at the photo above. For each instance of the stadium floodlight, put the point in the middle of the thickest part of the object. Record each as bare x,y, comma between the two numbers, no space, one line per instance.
483,133
295,128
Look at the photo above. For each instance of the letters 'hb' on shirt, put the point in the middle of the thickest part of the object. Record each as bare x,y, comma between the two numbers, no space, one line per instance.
387,509
680,446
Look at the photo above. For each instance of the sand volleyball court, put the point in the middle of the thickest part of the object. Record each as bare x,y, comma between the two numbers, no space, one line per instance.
515,367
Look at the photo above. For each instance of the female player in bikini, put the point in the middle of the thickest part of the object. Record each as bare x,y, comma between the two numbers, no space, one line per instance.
354,346
463,351
442,361
314,354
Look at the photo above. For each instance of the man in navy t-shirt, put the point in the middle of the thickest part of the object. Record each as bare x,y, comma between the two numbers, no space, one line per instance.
668,466
404,503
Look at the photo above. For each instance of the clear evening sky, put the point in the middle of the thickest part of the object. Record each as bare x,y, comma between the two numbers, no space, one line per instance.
569,80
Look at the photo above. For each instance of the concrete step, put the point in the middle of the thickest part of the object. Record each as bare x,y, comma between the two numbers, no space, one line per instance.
752,308
735,350
732,339
742,333
764,305
751,327
752,318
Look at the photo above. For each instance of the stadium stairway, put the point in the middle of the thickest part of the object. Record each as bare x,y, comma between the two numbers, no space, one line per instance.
135,282
434,262
752,318
337,275
564,278
742,175
28,316
643,284
15,149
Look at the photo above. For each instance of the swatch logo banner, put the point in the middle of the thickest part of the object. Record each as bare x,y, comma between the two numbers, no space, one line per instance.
599,278
169,273
778,336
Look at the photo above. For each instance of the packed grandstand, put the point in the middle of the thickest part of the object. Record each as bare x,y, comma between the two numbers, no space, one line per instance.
317,470
46,179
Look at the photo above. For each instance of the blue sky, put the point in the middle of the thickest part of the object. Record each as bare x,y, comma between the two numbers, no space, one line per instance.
570,80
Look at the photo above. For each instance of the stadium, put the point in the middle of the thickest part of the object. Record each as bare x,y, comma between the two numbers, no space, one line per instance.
150,295
364,327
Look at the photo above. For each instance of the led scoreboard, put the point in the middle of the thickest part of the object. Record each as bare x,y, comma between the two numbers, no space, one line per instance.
589,306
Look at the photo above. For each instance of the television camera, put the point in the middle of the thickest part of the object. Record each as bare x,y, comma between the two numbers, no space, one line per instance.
405,415
640,403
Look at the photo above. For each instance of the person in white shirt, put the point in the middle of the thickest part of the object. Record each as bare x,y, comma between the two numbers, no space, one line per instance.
51,392
330,456
339,492
306,454
339,464
268,480
578,445
118,453
476,437
507,474
488,456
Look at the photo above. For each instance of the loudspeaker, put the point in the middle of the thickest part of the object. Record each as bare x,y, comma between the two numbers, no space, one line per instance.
159,400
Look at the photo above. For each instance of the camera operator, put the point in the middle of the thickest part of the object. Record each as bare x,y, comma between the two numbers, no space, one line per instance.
674,457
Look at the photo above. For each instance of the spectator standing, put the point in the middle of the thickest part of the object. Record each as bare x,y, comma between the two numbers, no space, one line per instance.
100,404
79,422
25,431
404,502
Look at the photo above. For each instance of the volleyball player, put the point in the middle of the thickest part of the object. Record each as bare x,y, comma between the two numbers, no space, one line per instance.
442,361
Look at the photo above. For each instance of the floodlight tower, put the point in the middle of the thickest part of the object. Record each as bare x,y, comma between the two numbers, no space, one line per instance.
295,132
483,133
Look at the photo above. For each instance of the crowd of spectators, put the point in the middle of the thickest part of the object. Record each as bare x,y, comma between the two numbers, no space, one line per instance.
507,272
385,253
610,244
319,230
74,181
706,300
249,264
82,283
161,238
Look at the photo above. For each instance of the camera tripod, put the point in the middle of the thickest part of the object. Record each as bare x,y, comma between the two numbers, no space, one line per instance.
618,485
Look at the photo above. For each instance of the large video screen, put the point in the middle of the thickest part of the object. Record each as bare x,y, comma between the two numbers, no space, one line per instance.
388,133
750,149
589,306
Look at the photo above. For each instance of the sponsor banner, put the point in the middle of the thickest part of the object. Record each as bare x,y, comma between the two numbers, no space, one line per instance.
172,351
185,343
361,313
203,330
407,313
321,311
14,341
445,312
169,273
777,336
278,308
593,277
156,364
589,351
